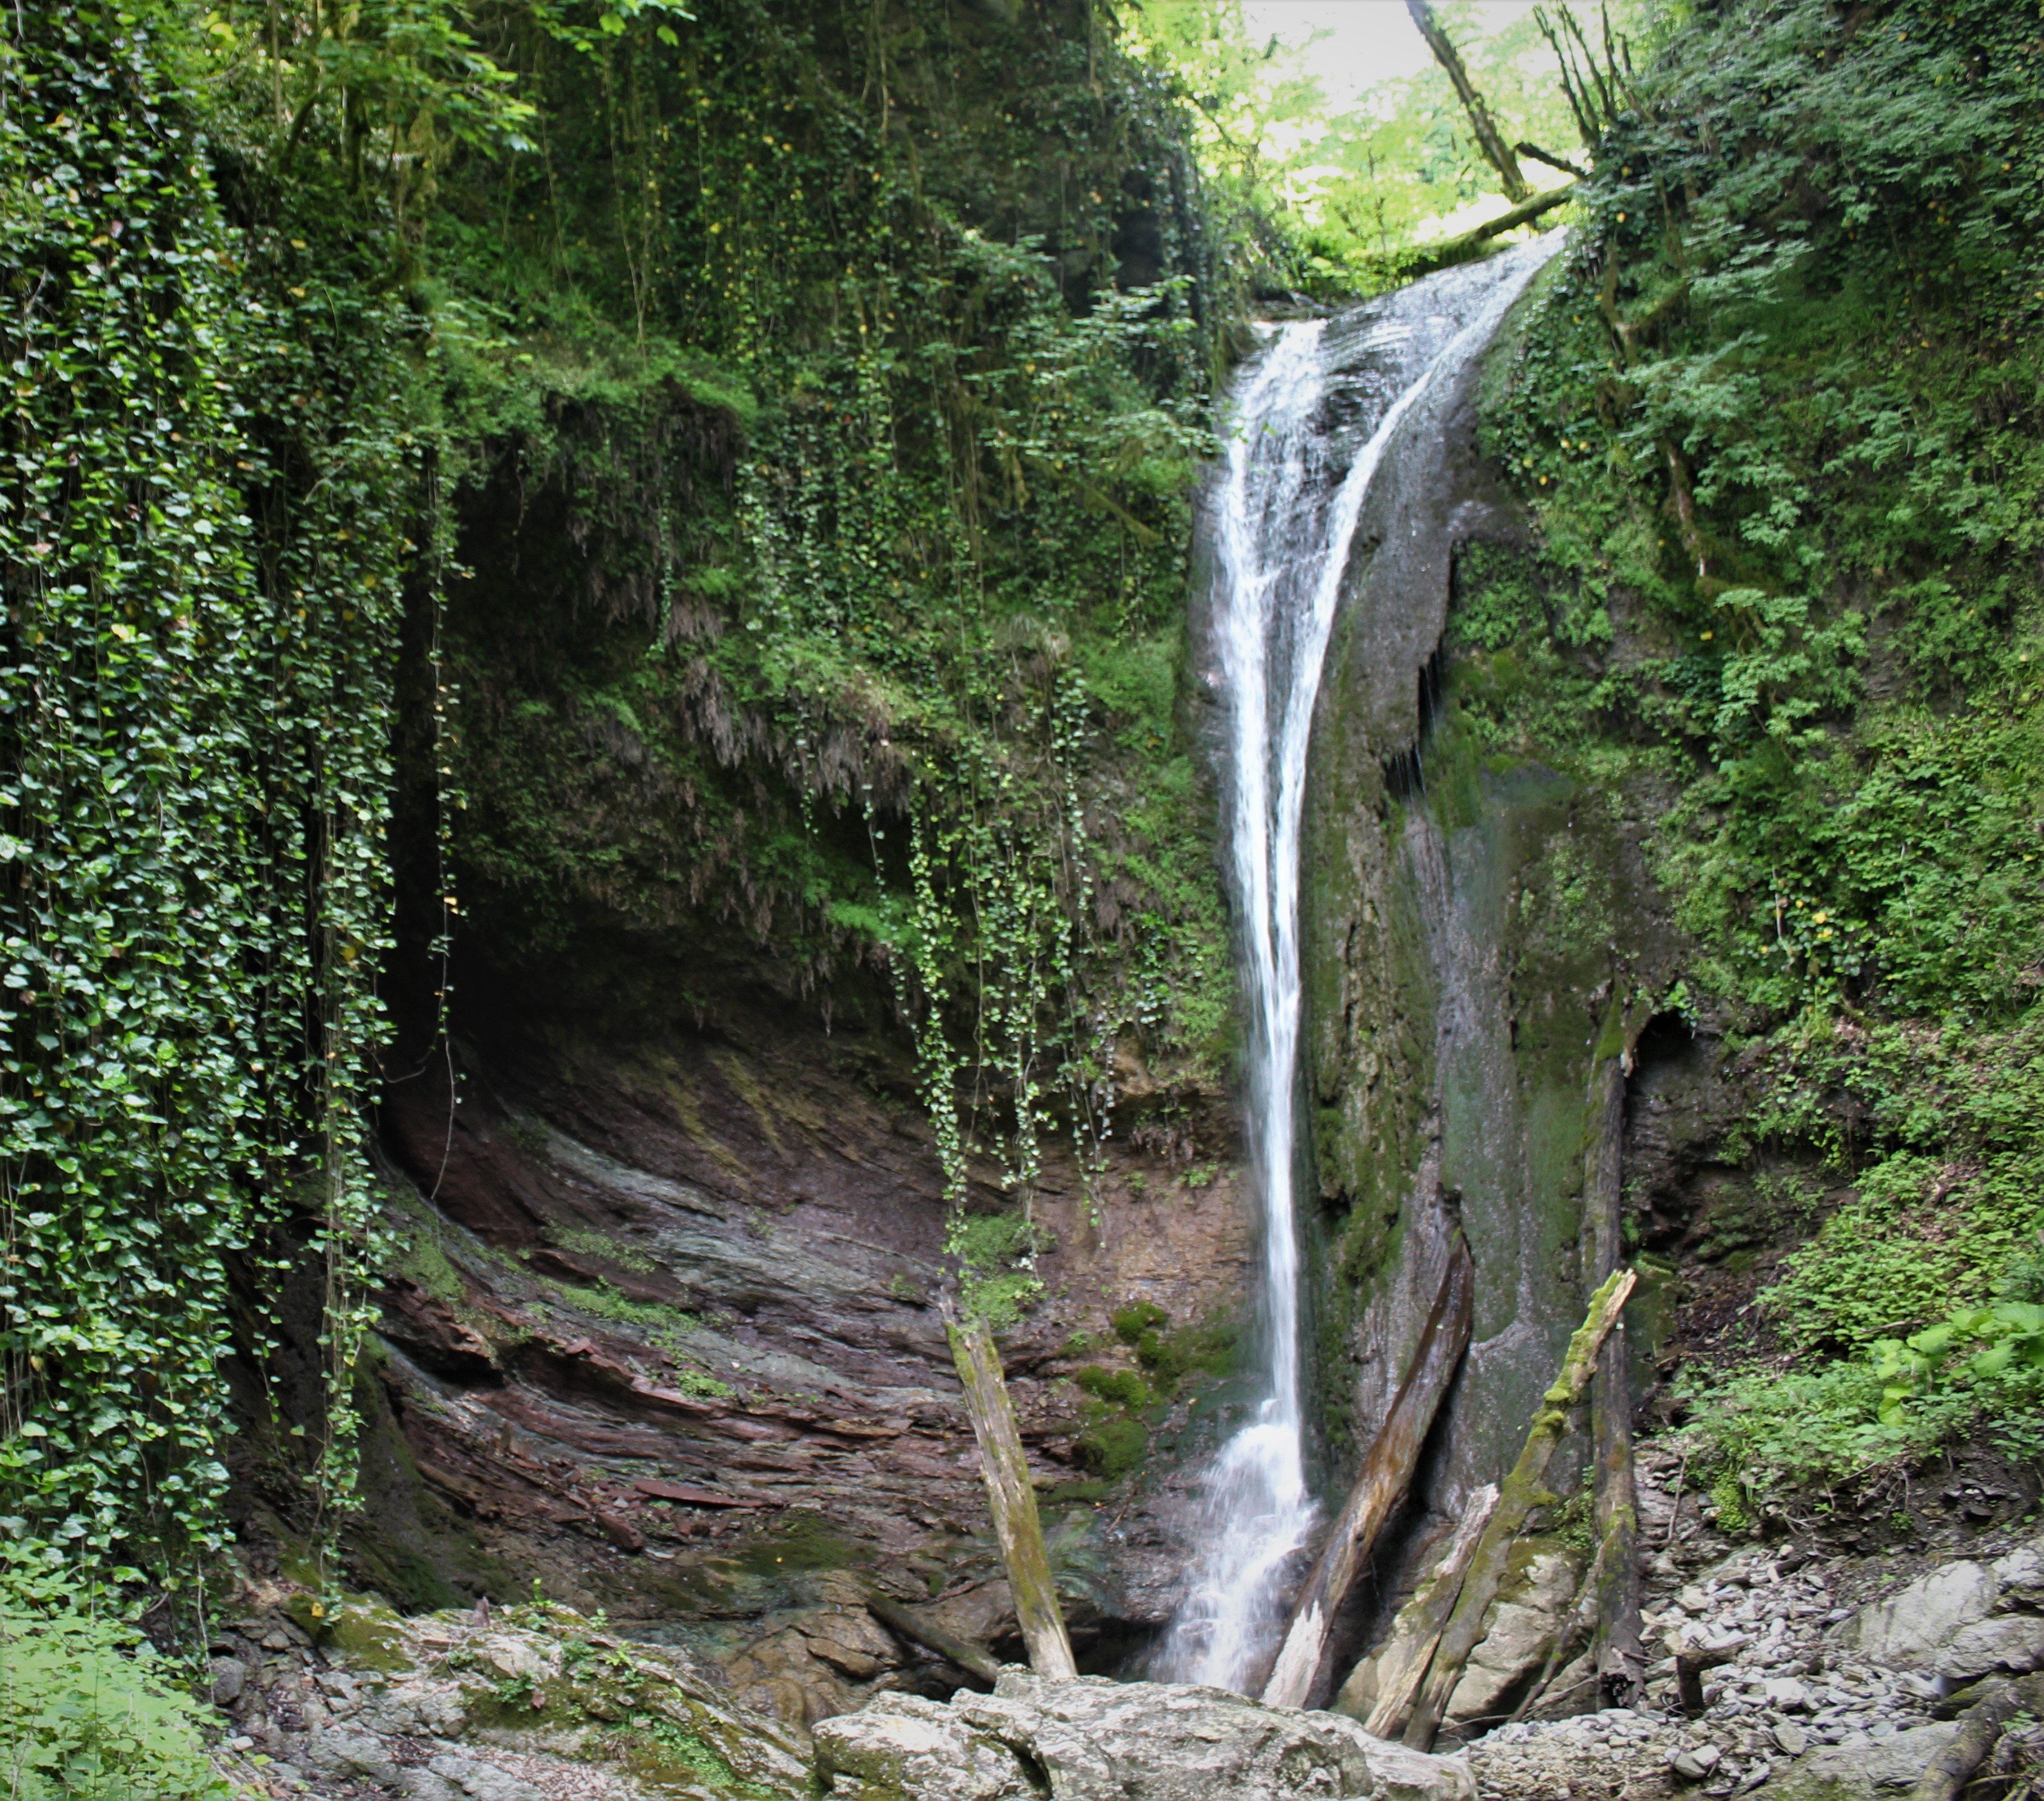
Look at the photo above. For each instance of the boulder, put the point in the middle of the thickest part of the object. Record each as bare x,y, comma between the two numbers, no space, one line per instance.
2011,1642
1880,1771
1092,1739
1909,1629
905,1748
1518,1631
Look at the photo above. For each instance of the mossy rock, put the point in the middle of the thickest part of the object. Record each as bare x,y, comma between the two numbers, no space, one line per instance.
365,1633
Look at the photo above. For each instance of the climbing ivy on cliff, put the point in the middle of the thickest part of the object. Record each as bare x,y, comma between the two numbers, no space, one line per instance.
1778,410
1784,398
203,518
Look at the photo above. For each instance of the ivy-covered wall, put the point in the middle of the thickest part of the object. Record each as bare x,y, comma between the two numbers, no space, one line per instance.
506,491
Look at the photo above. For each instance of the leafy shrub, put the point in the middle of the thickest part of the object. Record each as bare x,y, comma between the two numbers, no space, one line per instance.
1131,1322
1120,1387
1888,1259
1111,1447
88,1712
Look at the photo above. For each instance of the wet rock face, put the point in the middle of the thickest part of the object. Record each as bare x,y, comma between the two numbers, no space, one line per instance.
665,1340
1093,1740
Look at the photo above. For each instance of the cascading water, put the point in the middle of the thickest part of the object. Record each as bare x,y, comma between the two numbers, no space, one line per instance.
1284,527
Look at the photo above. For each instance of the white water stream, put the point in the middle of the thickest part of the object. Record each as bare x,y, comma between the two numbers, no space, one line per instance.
1283,532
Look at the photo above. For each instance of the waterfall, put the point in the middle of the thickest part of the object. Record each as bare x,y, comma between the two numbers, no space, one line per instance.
1283,530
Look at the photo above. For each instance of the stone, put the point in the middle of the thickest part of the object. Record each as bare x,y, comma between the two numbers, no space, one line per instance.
230,1676
336,1751
1695,1766
2020,1575
1095,1740
907,1748
1786,1693
483,1782
1789,1739
1909,1629
1869,1771
1518,1631
513,1656
2012,1642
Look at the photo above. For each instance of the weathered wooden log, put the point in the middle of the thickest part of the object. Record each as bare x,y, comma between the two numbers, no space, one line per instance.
1579,1624
1011,1498
1489,140
1387,1472
1517,1497
1690,1666
1621,1665
1980,1726
967,1656
1403,1659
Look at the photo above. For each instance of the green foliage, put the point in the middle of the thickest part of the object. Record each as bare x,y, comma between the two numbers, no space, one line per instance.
89,1712
667,1748
1896,1255
1130,1323
203,529
1780,402
1777,406
606,1302
1118,1387
997,1255
1113,1444
592,1243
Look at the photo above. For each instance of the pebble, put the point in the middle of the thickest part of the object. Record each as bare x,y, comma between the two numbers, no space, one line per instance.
1791,1740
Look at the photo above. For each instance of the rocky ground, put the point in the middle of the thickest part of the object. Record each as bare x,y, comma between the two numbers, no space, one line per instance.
1837,1673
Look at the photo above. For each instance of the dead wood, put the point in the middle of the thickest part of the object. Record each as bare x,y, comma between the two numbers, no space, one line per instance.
1386,1473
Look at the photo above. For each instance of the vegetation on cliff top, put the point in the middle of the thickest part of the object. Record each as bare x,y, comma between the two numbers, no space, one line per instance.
1779,409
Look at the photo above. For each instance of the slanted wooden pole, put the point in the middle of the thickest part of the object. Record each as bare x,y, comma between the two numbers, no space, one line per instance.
1489,140
968,1657
1402,1659
1011,1498
1980,1726
1387,1472
1621,1663
1521,1493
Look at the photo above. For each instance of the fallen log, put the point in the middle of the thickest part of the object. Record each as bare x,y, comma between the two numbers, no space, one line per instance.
1417,1630
1387,1472
1518,1495
1980,1726
1621,1665
1011,1498
967,1656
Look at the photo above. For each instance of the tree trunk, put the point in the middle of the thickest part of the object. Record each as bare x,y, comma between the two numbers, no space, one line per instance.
1489,140
1426,258
1387,1472
1980,1726
902,1624
1417,1630
1621,1665
1520,1493
1010,1497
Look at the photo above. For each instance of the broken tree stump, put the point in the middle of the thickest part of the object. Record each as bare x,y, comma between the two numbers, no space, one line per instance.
1387,1472
1406,1653
1518,1496
1011,1497
1691,1666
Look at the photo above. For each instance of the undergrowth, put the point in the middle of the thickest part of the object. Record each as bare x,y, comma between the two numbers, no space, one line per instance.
1779,406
